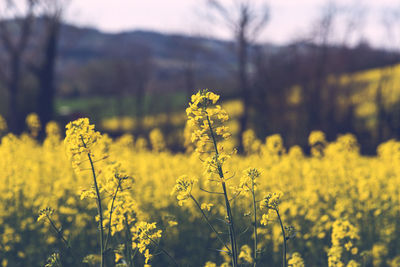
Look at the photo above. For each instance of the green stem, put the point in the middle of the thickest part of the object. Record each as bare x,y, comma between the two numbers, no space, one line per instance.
111,212
128,243
163,250
61,236
232,233
133,257
99,207
255,225
284,240
209,224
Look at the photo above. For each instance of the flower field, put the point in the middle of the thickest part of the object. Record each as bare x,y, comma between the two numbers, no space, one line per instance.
89,200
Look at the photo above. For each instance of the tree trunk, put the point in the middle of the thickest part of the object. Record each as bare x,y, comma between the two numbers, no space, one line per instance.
13,118
47,74
243,83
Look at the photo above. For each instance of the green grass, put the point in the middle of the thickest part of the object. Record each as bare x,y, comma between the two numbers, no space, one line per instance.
108,106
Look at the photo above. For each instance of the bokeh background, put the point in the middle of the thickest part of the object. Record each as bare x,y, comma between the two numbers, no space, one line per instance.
286,67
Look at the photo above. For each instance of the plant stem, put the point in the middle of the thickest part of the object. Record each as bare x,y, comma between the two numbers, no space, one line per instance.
133,257
61,236
99,207
231,227
284,240
255,225
111,212
128,243
209,224
163,250
232,233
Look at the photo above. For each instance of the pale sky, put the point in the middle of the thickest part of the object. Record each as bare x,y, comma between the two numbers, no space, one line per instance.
290,19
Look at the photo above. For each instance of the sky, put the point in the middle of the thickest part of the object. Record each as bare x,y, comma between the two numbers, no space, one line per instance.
289,19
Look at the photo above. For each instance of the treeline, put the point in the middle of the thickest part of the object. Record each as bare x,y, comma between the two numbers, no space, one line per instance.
305,87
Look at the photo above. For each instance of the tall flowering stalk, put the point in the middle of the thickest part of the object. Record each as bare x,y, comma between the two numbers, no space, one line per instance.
183,190
248,185
86,146
46,214
80,140
207,121
268,203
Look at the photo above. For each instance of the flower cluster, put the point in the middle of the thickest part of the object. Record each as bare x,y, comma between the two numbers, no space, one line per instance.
207,206
3,125
271,200
296,260
248,182
274,144
33,123
251,144
157,140
183,188
145,234
80,140
345,146
273,149
124,213
53,261
317,142
344,234
53,135
268,203
45,213
206,120
245,255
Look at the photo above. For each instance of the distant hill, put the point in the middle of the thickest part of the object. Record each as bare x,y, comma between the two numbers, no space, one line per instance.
175,58
171,56
93,62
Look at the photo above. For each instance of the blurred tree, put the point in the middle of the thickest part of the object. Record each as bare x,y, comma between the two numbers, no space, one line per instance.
246,20
51,15
29,34
16,22
187,53
141,71
300,88
388,117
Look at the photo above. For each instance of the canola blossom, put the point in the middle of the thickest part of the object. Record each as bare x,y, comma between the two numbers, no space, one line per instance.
335,207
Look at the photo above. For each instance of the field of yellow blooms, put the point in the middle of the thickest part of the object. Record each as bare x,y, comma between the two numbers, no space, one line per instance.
83,199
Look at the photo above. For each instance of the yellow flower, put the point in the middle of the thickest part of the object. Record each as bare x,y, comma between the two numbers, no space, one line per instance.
157,140
296,260
183,188
118,257
3,124
33,123
80,140
143,234
206,119
206,206
274,145
45,213
265,219
172,223
245,254
316,137
250,142
271,200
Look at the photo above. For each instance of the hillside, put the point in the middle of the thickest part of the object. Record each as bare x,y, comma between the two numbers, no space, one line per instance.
168,62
